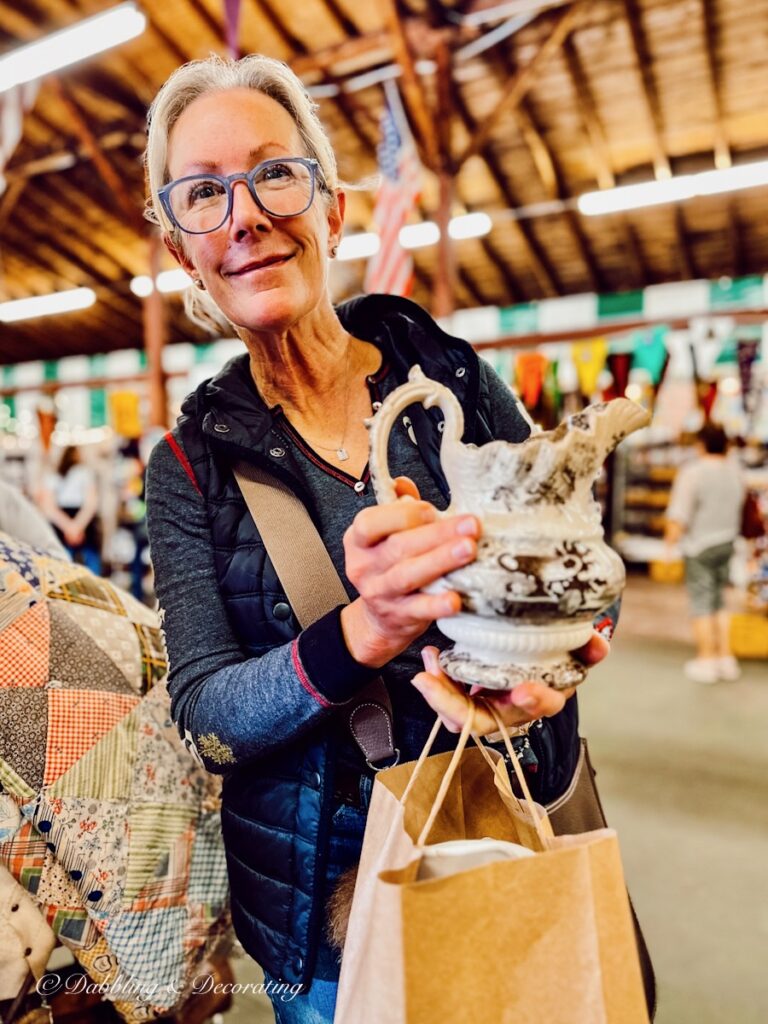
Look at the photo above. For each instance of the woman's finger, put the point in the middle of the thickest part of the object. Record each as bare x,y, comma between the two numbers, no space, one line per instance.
425,539
406,488
411,574
378,522
593,651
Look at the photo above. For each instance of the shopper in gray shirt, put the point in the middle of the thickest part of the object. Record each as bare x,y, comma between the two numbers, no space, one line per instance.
20,519
704,517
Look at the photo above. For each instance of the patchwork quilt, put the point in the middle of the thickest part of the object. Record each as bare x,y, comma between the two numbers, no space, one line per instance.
105,819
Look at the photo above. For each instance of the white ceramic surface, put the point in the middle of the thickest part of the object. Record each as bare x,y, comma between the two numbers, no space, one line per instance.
543,570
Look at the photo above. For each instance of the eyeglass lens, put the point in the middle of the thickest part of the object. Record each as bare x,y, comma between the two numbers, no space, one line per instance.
201,203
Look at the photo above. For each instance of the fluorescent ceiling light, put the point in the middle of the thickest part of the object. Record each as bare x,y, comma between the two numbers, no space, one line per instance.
167,281
673,190
359,247
142,286
81,40
173,280
470,225
46,305
414,236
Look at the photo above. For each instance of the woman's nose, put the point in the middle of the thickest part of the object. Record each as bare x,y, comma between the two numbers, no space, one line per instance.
246,214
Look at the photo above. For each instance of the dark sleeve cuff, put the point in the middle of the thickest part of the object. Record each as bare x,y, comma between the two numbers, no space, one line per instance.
331,669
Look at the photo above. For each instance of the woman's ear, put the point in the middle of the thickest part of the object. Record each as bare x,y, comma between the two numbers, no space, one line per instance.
336,219
178,253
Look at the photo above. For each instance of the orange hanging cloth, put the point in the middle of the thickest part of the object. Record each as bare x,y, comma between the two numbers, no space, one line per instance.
529,372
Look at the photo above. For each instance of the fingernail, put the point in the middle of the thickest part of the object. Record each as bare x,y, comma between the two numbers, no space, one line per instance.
447,606
429,658
463,549
523,700
467,526
428,514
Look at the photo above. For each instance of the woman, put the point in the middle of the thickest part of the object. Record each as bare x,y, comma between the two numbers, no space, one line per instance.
244,183
704,517
70,500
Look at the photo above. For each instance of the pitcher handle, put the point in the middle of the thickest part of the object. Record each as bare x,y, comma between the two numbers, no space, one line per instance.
418,389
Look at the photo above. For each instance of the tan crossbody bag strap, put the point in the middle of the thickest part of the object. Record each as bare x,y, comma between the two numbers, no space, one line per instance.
313,588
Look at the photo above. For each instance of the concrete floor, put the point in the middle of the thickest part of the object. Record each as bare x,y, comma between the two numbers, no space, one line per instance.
683,772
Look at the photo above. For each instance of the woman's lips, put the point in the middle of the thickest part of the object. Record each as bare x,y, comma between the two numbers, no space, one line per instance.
257,266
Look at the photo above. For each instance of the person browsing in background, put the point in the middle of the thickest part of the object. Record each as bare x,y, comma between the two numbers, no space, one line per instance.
70,499
244,183
704,517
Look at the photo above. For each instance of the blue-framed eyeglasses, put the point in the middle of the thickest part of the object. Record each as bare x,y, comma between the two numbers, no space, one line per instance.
281,187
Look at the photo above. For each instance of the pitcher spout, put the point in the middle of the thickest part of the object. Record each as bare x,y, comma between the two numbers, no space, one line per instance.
616,420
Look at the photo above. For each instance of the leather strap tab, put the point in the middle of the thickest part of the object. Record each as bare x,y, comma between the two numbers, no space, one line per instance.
313,588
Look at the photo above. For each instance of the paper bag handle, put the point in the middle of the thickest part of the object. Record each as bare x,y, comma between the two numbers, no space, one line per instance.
541,822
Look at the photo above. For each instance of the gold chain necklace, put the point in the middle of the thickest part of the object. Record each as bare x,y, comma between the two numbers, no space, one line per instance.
341,452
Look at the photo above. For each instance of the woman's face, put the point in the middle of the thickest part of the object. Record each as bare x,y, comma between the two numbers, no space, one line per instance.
264,273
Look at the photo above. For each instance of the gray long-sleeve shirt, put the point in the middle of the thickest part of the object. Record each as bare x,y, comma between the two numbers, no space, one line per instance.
235,709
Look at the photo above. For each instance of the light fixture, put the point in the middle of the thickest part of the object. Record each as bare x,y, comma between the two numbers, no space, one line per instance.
470,225
46,305
359,247
167,281
414,236
673,190
69,45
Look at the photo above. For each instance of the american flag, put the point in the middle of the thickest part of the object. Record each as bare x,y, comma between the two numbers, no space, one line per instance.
391,269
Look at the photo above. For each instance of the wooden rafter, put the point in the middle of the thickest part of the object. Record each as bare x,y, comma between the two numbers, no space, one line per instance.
721,147
661,165
604,173
62,159
422,120
535,255
587,108
212,25
101,162
551,179
342,20
521,82
350,51
297,47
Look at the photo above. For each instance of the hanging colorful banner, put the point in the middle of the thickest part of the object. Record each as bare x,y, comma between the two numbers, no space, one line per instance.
124,413
650,352
529,374
589,358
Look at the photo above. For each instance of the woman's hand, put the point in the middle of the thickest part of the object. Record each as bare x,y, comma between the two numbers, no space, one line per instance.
391,552
525,703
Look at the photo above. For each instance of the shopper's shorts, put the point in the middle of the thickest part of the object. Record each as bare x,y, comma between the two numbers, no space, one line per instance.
706,576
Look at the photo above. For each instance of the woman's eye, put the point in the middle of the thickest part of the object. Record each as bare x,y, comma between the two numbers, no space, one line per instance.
202,190
276,172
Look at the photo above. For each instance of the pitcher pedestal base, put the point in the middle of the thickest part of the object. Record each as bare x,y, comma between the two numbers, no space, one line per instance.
497,655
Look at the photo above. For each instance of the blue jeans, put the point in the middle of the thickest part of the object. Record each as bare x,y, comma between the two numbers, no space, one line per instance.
317,1006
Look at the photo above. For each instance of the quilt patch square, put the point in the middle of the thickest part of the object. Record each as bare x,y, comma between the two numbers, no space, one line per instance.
25,648
77,720
23,728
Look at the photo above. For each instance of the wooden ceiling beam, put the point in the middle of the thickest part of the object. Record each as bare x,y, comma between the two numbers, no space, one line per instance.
661,164
297,47
212,25
347,52
344,23
513,292
687,268
62,159
468,283
537,260
585,104
552,181
721,147
9,200
421,118
520,83
604,173
104,168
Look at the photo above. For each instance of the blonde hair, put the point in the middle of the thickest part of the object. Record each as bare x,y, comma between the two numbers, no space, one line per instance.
216,74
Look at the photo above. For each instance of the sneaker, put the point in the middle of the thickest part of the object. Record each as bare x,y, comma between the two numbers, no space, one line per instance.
703,670
728,668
